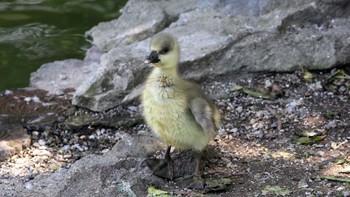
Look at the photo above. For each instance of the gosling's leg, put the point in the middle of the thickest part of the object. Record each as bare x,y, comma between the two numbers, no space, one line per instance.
195,181
162,167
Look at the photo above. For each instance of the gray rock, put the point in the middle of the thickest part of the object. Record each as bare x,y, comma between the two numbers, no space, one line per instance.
303,183
229,37
58,76
139,20
141,146
267,51
83,120
117,173
93,55
121,69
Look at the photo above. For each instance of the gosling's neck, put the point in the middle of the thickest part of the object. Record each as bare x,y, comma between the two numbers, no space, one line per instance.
170,72
165,77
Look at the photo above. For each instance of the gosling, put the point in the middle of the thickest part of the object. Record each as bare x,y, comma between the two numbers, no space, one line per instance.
177,110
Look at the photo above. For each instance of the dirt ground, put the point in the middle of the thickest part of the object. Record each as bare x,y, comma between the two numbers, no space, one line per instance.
282,134
295,142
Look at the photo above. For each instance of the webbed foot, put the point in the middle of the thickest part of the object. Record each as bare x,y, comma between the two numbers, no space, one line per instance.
161,167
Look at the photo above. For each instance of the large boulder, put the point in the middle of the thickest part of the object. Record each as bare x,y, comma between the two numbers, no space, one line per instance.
121,69
118,172
64,76
221,37
217,38
139,20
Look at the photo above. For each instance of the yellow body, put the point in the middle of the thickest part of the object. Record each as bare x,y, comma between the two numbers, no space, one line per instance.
175,109
165,100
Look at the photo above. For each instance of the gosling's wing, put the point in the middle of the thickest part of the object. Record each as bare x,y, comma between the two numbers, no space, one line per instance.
204,113
136,92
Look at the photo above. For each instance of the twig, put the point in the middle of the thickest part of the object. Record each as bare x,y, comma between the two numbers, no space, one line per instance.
333,178
339,145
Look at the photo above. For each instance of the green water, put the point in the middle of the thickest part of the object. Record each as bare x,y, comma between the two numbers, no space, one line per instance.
34,32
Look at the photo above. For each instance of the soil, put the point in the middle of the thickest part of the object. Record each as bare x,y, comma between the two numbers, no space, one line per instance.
282,134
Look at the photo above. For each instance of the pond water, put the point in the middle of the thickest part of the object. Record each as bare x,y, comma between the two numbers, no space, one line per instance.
34,32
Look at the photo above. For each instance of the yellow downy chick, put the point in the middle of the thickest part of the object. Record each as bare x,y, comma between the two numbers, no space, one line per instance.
176,110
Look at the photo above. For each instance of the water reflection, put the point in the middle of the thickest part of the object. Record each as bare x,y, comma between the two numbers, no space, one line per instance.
33,32
36,41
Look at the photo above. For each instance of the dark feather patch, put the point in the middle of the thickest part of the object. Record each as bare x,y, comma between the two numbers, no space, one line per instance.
203,114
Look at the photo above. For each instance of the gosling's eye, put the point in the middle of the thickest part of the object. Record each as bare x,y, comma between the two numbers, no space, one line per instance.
164,51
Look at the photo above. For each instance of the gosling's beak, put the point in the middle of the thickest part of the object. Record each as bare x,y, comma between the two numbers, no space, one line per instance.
152,58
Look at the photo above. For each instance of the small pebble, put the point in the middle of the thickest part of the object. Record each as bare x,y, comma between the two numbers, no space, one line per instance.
267,83
68,156
28,185
303,184
105,150
42,142
233,130
38,152
320,153
8,92
133,108
36,144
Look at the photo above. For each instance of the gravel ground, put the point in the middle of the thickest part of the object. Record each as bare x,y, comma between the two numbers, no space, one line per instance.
282,134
